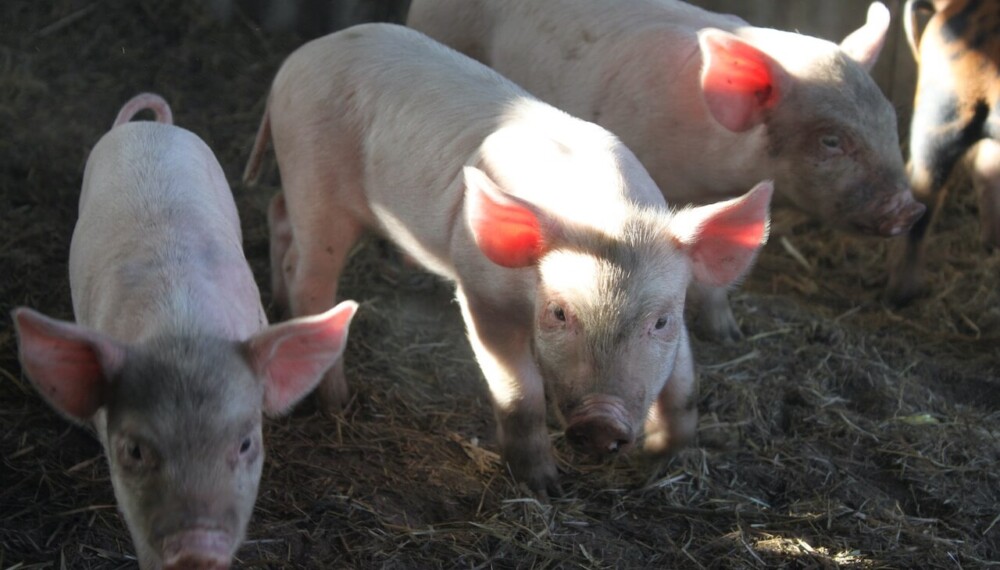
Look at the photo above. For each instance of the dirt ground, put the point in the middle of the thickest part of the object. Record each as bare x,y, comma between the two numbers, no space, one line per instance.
840,433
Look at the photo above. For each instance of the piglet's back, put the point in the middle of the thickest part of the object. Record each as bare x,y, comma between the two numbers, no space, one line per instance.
157,245
391,92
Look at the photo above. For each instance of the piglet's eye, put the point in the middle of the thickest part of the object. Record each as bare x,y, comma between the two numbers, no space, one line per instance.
559,313
134,455
660,323
831,142
245,446
135,452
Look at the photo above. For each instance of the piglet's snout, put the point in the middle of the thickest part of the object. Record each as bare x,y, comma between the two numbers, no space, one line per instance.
197,549
600,426
898,214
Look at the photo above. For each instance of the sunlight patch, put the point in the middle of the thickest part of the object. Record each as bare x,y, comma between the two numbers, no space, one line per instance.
797,547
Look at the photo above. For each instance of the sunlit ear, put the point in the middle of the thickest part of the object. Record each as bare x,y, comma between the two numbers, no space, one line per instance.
508,230
291,357
738,81
70,365
864,44
722,239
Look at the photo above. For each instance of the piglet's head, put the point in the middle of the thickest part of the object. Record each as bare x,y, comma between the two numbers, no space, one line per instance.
180,419
608,308
829,132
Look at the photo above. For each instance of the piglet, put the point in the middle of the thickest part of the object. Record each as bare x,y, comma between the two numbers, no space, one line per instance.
956,114
707,102
170,359
569,267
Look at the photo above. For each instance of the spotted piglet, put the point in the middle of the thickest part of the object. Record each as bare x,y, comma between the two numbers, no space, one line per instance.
956,114
170,358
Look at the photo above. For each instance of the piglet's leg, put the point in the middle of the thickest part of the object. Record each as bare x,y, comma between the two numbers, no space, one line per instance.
935,148
283,255
501,343
324,232
673,419
986,179
714,318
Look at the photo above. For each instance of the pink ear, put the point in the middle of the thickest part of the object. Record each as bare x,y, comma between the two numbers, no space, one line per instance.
291,357
70,365
738,81
864,44
723,238
507,230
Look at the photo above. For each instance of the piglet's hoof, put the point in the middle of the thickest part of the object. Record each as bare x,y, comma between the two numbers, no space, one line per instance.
538,474
900,293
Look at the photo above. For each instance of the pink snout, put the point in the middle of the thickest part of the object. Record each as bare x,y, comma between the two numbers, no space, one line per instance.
898,215
600,427
198,549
